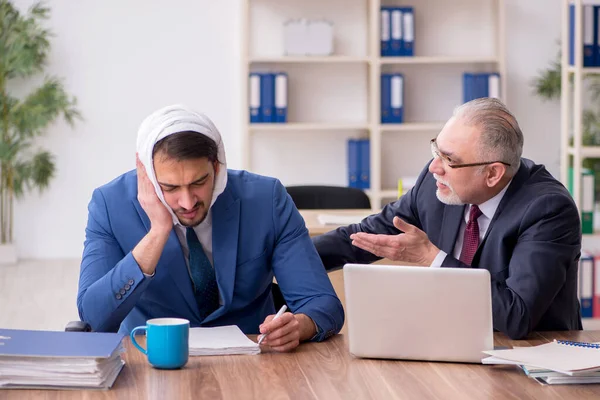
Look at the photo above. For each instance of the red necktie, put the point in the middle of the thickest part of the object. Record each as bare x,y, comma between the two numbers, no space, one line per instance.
471,236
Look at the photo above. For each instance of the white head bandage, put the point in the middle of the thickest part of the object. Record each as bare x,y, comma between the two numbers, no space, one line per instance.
174,119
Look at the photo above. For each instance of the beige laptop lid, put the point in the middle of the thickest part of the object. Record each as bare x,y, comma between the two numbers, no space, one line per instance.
418,313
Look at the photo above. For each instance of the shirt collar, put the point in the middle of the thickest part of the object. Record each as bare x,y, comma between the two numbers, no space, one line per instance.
205,225
488,208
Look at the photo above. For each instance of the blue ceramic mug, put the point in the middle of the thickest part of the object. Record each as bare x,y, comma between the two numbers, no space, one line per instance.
167,342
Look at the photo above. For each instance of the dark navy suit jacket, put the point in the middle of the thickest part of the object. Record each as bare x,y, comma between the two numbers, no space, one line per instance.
531,247
257,233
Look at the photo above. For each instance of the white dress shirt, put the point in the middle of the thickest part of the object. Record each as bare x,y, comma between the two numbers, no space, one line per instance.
488,209
204,233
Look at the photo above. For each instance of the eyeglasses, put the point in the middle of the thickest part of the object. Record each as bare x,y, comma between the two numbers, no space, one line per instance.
447,161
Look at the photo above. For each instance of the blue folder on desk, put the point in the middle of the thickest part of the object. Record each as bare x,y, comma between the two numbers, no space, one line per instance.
59,360
24,343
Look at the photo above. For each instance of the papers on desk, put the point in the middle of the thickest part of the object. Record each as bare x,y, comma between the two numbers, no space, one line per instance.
59,360
558,362
333,219
556,378
221,340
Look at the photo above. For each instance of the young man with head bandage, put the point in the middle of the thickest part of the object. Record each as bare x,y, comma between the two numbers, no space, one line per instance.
183,236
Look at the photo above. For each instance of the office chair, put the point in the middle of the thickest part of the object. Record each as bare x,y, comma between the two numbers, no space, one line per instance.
328,197
82,326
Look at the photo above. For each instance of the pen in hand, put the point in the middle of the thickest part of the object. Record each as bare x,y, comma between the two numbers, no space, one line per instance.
279,314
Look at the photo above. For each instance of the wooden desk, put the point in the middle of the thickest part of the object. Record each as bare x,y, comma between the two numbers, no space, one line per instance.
327,371
316,228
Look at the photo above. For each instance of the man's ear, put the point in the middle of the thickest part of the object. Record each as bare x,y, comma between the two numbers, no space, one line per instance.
495,172
216,167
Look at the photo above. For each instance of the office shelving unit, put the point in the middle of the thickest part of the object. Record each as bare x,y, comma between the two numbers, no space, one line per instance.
572,100
363,59
572,103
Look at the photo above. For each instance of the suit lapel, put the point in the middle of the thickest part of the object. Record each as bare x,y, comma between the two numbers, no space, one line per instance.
452,219
515,186
518,181
172,263
225,230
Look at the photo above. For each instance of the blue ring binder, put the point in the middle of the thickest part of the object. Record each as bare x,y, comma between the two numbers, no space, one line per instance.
579,344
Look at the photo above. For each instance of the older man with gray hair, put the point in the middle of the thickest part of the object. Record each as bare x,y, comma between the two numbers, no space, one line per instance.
478,204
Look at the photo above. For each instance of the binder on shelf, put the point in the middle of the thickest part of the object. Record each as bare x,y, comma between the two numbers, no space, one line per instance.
493,84
397,98
468,87
385,32
392,98
477,85
386,110
353,163
364,164
408,32
587,201
396,42
267,97
586,284
254,98
596,52
481,84
587,197
281,97
596,296
589,31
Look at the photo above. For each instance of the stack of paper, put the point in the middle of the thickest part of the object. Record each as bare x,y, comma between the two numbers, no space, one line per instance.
59,360
221,340
557,362
543,375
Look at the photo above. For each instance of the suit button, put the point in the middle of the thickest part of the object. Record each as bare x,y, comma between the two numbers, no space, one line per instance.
122,291
131,282
127,287
118,296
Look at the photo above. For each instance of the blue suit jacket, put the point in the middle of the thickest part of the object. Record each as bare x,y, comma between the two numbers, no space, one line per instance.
257,233
531,248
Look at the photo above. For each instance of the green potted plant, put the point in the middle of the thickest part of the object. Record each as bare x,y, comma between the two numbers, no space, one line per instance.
547,85
24,47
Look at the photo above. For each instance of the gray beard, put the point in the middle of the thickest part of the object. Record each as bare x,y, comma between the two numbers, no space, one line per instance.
452,200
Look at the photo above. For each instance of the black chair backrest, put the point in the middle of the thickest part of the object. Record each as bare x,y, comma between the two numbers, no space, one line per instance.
328,197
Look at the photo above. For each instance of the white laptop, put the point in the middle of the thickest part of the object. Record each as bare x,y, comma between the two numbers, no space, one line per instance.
418,313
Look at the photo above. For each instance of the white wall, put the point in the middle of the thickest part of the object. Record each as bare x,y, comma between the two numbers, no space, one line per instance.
124,59
533,41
